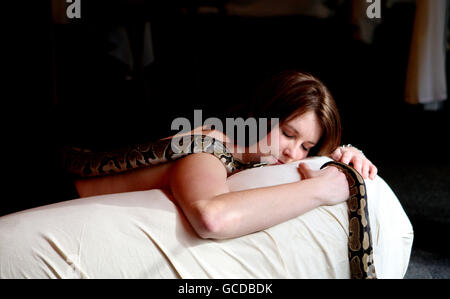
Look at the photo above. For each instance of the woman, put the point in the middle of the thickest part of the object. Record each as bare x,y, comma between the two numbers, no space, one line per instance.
308,124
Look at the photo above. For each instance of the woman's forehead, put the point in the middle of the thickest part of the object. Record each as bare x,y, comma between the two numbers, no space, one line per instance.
306,124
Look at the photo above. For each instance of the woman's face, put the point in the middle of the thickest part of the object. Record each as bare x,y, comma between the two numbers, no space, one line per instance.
295,139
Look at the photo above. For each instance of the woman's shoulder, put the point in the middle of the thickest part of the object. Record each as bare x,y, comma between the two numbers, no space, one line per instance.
199,166
223,152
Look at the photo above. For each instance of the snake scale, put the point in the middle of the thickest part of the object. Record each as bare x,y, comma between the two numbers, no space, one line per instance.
85,163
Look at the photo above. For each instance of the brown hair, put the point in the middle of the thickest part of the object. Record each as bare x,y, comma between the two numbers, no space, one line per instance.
290,94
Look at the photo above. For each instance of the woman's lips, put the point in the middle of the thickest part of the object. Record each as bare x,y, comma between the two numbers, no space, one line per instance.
278,161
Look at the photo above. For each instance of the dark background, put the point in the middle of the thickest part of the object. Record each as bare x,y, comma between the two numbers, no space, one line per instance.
67,90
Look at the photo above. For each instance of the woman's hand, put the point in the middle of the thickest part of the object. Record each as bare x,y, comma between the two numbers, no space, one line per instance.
332,187
351,155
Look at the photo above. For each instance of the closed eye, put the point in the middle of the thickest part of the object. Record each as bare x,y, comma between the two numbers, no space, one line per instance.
287,135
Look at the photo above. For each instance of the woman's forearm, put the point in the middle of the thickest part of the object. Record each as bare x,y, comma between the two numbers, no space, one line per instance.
198,185
239,213
145,178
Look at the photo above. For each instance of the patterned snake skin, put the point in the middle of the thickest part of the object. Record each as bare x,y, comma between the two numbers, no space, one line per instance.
360,250
84,163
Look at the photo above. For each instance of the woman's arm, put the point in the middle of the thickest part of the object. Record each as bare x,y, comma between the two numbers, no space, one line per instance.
145,178
198,184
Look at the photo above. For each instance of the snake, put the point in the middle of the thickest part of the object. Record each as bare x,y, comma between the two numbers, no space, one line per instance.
86,163
83,163
360,248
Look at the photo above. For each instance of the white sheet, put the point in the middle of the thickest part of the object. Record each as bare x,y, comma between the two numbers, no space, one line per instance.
144,235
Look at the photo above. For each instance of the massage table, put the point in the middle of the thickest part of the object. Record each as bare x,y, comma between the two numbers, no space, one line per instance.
145,235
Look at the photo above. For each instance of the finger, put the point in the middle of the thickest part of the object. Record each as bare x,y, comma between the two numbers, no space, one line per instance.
305,171
357,164
346,157
337,154
365,169
373,171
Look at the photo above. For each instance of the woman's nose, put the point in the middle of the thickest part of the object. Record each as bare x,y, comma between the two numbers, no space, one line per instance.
292,153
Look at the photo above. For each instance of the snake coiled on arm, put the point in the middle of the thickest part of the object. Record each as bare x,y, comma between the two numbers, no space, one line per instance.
84,163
